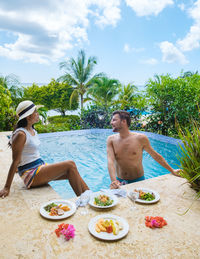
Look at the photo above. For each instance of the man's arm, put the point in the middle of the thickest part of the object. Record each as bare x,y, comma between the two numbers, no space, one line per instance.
157,157
111,164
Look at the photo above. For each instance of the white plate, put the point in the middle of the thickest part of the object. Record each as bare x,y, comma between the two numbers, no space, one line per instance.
66,214
105,235
96,194
157,196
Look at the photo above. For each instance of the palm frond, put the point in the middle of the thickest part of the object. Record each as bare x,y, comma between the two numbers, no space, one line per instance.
189,157
73,97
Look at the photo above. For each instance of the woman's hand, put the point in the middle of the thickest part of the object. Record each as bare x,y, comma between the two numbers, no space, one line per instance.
4,192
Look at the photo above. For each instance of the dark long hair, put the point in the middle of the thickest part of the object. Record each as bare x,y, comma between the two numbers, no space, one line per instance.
20,124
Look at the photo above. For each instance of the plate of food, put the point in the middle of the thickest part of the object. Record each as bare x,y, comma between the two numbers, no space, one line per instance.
103,200
57,209
108,227
146,196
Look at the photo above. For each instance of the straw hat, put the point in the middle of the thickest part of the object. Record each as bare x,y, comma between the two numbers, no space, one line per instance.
26,108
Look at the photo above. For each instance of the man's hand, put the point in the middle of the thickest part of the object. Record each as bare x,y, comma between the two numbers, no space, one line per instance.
115,184
176,172
4,192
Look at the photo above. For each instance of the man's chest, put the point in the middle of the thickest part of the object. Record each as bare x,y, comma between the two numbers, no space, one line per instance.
127,149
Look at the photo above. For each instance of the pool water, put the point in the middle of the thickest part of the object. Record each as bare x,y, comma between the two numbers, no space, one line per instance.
88,149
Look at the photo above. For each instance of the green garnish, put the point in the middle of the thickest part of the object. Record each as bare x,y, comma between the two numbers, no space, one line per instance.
49,206
102,200
147,196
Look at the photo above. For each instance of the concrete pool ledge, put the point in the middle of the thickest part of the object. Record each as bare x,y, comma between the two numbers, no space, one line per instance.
25,234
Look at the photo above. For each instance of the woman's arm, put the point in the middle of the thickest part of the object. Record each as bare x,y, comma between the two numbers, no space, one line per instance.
17,146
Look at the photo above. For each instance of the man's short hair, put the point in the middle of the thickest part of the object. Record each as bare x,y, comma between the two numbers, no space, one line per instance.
124,115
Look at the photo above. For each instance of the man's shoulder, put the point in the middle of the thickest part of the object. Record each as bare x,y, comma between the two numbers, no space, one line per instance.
112,137
139,136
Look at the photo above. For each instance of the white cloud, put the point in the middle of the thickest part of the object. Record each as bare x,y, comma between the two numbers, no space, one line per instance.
192,39
174,53
148,7
171,53
46,29
181,6
127,48
151,61
106,12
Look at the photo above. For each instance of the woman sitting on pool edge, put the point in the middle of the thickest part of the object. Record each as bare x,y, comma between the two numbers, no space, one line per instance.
26,157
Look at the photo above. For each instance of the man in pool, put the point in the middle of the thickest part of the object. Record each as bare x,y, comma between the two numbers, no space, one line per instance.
125,151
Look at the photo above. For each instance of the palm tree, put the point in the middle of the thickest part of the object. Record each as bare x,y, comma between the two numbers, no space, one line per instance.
78,74
127,96
189,74
9,81
103,91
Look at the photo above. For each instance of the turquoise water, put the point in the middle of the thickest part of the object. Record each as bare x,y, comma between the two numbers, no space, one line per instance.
88,150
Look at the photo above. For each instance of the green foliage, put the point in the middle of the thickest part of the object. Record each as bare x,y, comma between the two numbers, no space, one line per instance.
17,94
60,123
78,73
74,119
103,91
190,155
54,96
127,96
96,117
173,100
9,81
188,74
7,117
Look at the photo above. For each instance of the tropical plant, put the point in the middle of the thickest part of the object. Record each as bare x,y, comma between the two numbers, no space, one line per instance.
59,123
103,91
43,113
17,94
78,73
96,117
190,156
9,81
7,117
129,97
54,96
173,99
189,73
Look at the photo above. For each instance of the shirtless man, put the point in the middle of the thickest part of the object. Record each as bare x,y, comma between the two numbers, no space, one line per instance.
125,151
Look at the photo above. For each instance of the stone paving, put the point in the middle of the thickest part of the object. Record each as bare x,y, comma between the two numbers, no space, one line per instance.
25,234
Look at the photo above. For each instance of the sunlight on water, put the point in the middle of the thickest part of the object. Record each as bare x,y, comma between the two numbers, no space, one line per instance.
89,154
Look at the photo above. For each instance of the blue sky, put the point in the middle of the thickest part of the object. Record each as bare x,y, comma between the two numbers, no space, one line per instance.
132,39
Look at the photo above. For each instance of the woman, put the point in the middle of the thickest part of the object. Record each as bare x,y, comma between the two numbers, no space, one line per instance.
26,157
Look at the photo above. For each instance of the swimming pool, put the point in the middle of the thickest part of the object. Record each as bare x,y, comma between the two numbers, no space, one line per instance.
88,149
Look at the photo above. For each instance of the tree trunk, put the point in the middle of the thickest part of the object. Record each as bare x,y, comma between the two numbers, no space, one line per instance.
63,113
81,101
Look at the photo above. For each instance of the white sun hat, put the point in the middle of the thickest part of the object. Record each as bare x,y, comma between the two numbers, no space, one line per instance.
26,108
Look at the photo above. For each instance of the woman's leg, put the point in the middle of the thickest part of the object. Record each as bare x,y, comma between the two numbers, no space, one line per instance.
58,171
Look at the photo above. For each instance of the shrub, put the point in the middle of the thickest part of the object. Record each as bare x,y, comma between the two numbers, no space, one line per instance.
54,127
190,156
173,99
8,121
96,117
63,119
59,123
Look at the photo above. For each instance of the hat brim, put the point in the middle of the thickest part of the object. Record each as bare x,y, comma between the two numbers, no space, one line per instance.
29,112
